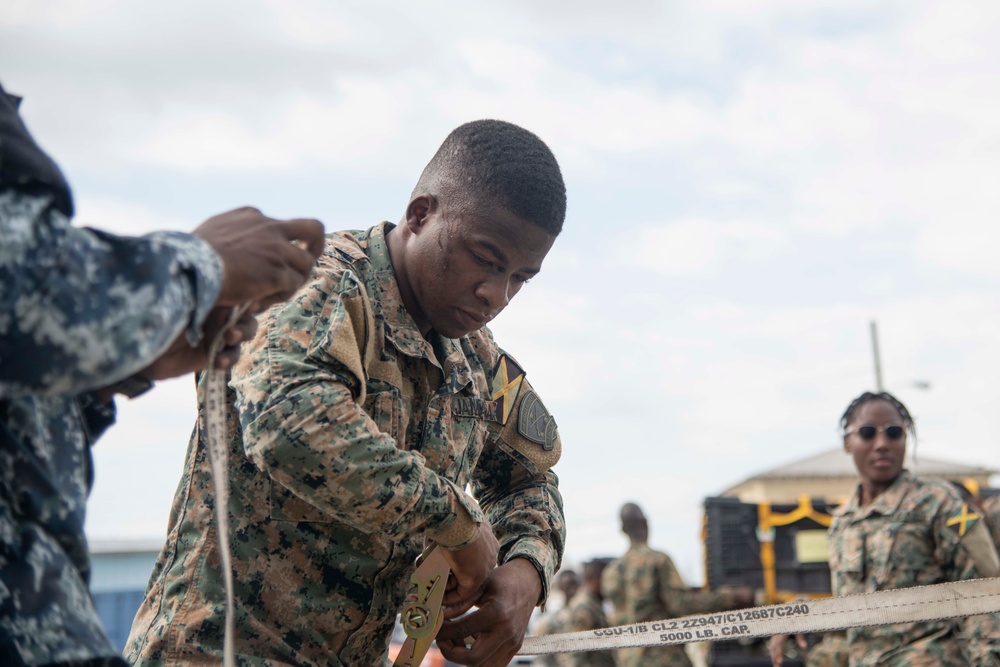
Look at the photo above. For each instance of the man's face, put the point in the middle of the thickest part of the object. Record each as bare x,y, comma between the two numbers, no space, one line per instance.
464,268
569,584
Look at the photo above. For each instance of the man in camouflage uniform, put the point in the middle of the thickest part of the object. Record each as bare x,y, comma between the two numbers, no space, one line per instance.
644,585
361,412
585,612
554,622
85,315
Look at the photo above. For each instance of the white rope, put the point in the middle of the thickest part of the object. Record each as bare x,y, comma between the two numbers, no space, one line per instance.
903,605
216,407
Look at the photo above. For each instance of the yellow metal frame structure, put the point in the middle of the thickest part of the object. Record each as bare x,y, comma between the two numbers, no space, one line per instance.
767,521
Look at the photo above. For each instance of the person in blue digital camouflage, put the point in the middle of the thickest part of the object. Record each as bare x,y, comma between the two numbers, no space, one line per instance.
86,315
898,531
373,416
644,585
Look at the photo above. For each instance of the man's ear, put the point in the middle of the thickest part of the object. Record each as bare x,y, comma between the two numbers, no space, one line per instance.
847,446
418,210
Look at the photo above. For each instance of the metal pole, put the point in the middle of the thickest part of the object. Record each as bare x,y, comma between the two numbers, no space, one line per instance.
878,363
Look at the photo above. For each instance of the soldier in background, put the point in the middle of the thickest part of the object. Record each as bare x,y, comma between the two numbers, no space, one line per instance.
554,622
585,612
644,585
86,315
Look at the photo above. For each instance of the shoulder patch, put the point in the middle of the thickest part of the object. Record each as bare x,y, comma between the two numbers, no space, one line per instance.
535,423
963,520
506,385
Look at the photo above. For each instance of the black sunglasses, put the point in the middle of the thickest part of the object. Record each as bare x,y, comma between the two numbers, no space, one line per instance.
869,432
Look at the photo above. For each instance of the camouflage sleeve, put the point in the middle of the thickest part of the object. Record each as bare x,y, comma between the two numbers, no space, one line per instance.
300,396
682,600
991,512
520,494
966,548
82,309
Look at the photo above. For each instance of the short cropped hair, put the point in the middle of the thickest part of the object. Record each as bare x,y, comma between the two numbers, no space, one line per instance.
495,164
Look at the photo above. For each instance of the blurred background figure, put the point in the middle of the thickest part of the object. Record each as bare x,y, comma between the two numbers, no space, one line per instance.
644,585
554,622
585,612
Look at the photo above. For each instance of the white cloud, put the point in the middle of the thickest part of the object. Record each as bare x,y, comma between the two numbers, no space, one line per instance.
963,209
126,218
699,247
344,131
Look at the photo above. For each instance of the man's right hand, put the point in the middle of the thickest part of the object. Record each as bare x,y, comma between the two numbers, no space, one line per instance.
469,568
259,259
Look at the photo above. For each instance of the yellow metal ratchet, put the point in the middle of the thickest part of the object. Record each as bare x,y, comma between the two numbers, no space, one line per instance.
421,617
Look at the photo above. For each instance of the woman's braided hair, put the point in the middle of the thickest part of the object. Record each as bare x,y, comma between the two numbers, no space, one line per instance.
868,397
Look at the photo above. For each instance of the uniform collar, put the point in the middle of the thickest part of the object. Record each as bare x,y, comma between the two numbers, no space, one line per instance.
400,327
887,502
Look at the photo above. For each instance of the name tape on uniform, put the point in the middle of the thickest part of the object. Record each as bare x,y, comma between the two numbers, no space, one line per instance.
903,605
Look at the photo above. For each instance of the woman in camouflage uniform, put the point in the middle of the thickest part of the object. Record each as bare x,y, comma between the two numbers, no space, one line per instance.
898,531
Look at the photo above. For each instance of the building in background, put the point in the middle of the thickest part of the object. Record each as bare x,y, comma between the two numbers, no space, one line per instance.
831,475
120,570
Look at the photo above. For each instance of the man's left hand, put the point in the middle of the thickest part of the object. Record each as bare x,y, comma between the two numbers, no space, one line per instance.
498,625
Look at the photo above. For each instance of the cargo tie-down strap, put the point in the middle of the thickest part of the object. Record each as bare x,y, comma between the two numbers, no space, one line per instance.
903,605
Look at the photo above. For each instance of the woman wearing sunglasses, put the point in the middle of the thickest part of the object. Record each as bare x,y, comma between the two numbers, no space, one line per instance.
897,531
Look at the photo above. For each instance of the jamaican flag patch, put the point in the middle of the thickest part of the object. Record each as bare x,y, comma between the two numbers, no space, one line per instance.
507,380
963,521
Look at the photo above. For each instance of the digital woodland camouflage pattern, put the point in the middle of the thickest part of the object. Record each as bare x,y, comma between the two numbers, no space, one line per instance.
584,612
79,310
915,533
350,444
831,651
553,623
644,585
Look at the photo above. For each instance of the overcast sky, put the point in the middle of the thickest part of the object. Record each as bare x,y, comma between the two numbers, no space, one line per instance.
750,183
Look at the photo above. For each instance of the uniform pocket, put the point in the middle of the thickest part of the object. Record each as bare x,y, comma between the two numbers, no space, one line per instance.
383,406
464,459
847,561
